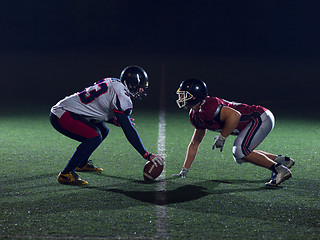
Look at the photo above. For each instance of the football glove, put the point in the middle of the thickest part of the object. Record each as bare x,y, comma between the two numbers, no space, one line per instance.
218,142
183,173
154,158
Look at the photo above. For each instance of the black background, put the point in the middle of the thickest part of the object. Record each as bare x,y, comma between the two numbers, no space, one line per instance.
264,52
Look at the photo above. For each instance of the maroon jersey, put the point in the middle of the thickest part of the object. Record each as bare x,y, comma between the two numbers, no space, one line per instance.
208,116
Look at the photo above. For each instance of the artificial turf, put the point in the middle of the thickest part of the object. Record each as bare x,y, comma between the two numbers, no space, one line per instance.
219,199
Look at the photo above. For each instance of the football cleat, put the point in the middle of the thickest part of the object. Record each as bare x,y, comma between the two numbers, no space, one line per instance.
285,161
71,178
282,173
89,167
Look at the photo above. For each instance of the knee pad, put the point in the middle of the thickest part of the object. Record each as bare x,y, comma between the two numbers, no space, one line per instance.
238,154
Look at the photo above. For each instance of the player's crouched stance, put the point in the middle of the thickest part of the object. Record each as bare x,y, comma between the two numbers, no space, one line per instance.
251,124
83,117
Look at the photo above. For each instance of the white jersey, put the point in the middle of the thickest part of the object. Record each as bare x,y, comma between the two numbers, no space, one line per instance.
98,101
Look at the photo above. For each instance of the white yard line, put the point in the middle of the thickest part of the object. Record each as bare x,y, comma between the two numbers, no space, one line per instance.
161,187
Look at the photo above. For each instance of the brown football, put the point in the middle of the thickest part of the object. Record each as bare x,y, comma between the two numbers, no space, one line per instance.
151,172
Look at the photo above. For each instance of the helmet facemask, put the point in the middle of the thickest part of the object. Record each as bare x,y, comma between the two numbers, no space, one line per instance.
138,90
140,93
183,97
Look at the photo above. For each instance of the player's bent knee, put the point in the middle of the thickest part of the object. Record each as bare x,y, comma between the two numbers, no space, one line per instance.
238,154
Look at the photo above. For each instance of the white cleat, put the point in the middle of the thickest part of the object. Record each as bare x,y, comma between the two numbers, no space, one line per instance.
282,174
285,161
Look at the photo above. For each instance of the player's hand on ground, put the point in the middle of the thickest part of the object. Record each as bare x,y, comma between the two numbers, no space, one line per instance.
155,159
182,173
219,141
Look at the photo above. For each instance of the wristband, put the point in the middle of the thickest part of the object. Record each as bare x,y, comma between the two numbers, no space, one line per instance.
147,155
222,137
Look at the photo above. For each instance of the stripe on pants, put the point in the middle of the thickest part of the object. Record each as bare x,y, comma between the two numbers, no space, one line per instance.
255,125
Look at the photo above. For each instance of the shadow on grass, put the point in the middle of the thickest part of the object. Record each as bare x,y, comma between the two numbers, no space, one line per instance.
215,197
218,197
147,191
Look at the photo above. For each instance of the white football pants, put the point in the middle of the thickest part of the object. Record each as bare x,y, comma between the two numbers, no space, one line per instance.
252,135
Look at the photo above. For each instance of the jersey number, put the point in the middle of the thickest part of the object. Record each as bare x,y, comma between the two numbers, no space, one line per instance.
93,92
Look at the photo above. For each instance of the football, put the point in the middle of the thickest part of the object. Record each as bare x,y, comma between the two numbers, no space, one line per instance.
151,172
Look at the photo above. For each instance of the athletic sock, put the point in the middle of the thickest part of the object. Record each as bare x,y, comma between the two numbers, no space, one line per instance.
82,153
273,167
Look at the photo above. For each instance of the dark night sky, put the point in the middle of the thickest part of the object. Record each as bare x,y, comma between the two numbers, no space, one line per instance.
209,27
236,40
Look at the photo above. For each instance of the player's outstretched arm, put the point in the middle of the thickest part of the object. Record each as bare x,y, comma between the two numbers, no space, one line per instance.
192,151
130,132
133,137
115,122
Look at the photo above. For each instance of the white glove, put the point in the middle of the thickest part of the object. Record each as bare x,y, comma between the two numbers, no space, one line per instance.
218,142
155,159
183,173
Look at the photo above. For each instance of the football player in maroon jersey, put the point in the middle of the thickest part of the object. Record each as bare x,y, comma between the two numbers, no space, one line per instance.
250,123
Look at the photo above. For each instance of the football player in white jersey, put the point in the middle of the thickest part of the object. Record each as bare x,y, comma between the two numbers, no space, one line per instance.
83,117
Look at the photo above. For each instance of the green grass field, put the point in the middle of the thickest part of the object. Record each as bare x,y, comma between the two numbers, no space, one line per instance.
219,199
